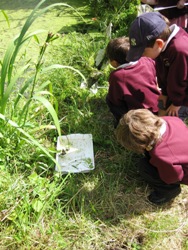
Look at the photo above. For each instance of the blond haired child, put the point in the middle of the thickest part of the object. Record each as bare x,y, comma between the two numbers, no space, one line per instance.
164,140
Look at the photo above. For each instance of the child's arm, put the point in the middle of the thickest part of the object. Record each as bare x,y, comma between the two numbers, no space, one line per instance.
174,83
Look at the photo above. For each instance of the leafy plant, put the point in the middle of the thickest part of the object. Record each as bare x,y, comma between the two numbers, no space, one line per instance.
15,103
119,13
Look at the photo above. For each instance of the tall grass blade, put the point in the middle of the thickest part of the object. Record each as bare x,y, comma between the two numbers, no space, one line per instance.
59,66
28,136
5,65
13,49
10,87
51,110
23,89
33,16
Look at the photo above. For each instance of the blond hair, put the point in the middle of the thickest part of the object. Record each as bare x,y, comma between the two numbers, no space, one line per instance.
139,130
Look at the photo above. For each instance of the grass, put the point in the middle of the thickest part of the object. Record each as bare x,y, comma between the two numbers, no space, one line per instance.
105,209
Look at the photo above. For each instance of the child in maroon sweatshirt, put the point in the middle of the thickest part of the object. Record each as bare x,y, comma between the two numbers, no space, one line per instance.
151,36
132,85
164,140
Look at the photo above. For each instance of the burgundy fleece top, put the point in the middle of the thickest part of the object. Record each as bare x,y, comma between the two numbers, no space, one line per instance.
135,86
172,69
170,155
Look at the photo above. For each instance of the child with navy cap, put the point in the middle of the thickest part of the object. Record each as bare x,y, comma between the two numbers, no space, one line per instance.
152,37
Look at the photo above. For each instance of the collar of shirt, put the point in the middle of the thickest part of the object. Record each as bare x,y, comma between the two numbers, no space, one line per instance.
174,28
163,128
125,65
161,131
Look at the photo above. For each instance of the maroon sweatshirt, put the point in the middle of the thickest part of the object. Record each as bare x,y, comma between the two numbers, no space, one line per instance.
170,155
135,86
172,69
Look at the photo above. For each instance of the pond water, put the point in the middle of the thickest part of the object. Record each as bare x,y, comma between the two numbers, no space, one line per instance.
57,19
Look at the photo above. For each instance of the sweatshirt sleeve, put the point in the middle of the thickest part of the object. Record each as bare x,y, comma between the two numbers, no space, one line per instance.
168,171
115,90
177,78
172,69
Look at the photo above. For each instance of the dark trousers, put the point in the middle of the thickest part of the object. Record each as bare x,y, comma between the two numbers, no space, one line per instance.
150,174
117,111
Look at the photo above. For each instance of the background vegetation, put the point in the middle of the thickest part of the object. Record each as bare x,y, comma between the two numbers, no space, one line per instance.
106,208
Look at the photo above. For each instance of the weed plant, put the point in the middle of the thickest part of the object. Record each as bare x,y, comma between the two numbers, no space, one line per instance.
119,12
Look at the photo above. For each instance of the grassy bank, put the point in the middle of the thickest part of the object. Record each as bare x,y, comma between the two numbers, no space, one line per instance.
106,208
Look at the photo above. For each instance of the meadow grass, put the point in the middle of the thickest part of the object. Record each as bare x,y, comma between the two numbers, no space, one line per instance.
105,209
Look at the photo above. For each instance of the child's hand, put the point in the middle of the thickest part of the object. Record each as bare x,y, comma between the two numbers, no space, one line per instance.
173,110
180,4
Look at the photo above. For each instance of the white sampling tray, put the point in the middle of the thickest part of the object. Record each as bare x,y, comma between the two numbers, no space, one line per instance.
75,153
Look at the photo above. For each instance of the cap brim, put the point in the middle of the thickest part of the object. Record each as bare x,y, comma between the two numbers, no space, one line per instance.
135,53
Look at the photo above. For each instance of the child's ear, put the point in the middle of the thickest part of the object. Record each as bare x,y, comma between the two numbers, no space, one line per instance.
114,63
160,43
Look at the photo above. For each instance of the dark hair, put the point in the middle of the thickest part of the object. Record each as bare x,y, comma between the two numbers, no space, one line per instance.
117,49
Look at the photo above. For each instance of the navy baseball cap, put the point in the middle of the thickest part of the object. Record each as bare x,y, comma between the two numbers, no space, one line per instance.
144,28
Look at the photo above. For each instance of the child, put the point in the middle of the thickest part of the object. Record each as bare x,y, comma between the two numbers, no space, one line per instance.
150,36
133,84
165,139
176,15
